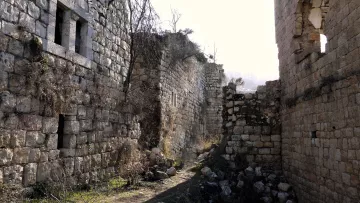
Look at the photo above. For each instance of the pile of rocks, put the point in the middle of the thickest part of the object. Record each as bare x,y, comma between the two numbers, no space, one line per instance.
160,167
250,185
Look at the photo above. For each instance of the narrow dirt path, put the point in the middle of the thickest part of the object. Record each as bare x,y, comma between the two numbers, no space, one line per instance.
174,189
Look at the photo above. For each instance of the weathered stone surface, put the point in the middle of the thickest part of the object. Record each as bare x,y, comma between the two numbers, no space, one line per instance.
225,187
33,10
259,187
21,155
35,139
30,174
54,155
284,187
18,138
8,101
96,137
16,47
171,171
35,155
13,174
30,122
159,175
52,141
43,172
27,21
6,156
282,196
6,59
206,171
23,104
49,125
71,127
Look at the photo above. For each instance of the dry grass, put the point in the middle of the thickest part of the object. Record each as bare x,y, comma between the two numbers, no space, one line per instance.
168,129
207,143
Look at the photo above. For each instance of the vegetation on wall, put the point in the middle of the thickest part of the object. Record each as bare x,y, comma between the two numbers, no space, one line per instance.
50,85
181,48
142,24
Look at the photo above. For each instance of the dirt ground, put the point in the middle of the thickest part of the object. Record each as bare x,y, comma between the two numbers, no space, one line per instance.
173,190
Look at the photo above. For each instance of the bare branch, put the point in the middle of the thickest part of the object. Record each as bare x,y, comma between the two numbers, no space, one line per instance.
142,23
175,19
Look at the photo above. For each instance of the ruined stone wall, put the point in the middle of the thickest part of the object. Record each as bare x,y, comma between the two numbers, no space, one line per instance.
182,106
59,112
214,99
179,99
320,101
144,97
252,126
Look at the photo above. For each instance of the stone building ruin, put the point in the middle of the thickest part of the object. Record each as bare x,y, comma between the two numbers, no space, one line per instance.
185,94
320,97
62,65
62,68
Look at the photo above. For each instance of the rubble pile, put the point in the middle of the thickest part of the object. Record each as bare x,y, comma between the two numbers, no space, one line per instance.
250,185
160,167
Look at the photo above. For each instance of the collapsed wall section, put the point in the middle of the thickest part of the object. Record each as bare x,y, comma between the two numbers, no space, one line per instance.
60,88
252,126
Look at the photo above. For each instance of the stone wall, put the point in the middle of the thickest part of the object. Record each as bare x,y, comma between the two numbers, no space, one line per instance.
59,112
183,99
321,98
252,126
182,107
214,99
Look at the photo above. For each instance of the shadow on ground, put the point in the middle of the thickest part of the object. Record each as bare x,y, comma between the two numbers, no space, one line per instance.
185,192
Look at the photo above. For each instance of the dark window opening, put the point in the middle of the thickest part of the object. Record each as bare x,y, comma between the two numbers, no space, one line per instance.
313,134
59,25
79,25
61,131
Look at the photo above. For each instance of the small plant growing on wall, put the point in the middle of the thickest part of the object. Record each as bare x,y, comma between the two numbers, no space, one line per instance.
132,163
48,85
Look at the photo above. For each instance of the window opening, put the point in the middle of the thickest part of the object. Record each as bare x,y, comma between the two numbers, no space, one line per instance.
175,99
323,41
313,134
59,25
61,131
79,26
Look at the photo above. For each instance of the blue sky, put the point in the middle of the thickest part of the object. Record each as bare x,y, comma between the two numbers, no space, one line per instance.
242,30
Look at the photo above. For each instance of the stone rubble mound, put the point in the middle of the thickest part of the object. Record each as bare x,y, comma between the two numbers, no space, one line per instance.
253,184
160,167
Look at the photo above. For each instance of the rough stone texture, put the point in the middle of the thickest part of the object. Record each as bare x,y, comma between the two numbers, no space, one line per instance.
214,99
181,103
29,150
252,126
320,113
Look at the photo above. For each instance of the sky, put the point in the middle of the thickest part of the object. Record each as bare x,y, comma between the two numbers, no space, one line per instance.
242,31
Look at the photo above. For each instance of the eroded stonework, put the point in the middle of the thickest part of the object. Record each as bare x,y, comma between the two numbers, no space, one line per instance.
73,127
252,126
320,106
181,102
